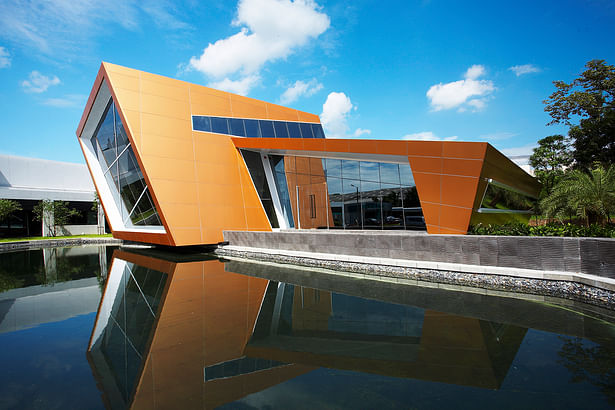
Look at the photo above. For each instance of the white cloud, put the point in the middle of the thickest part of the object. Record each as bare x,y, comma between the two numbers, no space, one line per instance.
497,136
58,28
242,86
360,131
525,150
427,136
270,30
475,71
299,89
334,117
5,58
478,103
164,14
459,94
519,70
69,100
39,83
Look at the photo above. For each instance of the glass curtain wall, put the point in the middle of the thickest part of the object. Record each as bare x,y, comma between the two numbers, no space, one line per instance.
355,194
257,172
126,337
251,128
277,166
122,171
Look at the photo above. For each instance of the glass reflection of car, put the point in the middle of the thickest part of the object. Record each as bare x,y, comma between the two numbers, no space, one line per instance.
415,221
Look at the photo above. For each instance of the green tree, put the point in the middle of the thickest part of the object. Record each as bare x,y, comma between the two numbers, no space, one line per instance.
590,100
590,196
7,207
59,214
550,159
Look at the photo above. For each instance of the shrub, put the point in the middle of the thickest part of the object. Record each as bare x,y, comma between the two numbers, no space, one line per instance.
550,229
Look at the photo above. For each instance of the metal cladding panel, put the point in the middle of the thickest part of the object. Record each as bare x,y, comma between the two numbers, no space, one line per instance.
448,174
447,177
501,169
198,181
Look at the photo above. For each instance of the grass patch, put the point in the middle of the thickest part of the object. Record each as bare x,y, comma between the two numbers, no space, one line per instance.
34,238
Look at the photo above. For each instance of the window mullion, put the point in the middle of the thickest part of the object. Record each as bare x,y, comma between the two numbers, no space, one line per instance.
135,205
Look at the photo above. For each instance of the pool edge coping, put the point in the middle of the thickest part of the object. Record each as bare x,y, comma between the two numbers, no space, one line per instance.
595,290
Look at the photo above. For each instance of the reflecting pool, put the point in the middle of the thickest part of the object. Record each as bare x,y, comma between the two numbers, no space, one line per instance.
96,327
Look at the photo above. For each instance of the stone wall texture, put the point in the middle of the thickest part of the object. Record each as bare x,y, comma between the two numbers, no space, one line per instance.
595,256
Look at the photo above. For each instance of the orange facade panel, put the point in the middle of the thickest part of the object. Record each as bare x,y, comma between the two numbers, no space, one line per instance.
200,184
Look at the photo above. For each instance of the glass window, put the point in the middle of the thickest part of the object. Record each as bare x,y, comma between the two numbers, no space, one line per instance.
502,198
352,204
124,176
413,219
410,197
145,212
350,169
334,186
266,128
105,136
389,174
405,175
336,201
237,127
317,131
252,128
370,204
120,134
132,184
219,125
293,130
392,207
201,123
334,167
277,165
306,130
257,172
369,171
280,129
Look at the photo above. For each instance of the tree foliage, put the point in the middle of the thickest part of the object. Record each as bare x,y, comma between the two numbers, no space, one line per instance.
592,363
550,159
59,212
590,100
7,207
590,196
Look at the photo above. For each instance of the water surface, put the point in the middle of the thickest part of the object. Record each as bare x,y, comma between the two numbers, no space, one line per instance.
94,327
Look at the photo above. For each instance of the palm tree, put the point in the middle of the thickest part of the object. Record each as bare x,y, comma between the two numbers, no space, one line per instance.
590,196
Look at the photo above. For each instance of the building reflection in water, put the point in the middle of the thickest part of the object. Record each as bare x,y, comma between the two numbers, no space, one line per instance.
176,332
171,334
334,330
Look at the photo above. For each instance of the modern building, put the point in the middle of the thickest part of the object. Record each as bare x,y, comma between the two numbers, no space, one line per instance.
176,164
31,180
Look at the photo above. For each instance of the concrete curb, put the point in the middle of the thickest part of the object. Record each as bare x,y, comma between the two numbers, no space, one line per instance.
51,243
595,290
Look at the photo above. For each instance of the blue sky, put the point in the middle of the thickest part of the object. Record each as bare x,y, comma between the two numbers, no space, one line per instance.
426,69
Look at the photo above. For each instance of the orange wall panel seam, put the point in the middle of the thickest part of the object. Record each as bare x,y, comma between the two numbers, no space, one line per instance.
191,174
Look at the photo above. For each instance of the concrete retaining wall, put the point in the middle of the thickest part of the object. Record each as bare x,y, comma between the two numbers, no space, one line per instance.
594,256
52,243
